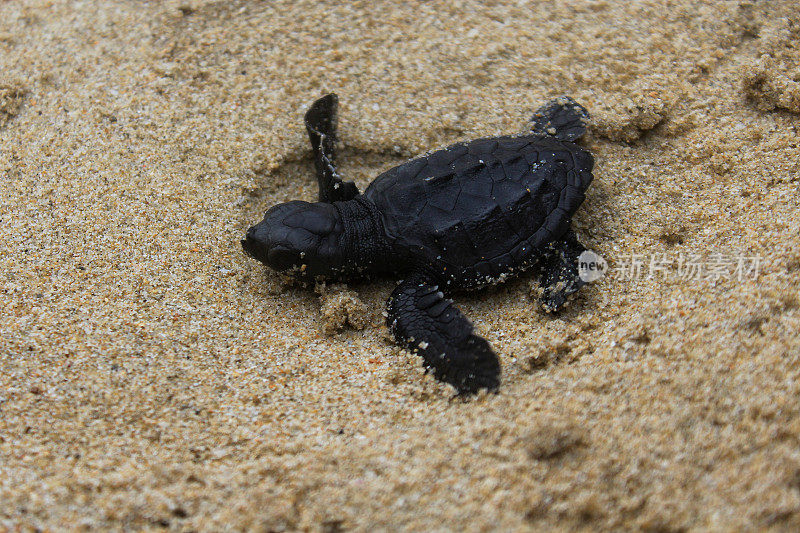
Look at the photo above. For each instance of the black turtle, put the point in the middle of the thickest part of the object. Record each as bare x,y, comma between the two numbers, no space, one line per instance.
455,219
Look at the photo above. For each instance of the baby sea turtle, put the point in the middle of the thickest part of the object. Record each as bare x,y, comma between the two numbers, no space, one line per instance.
456,219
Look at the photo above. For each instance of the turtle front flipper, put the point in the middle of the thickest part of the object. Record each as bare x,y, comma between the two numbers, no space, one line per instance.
321,123
562,118
560,275
428,324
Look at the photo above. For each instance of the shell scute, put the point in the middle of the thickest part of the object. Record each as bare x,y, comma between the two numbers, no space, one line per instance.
483,205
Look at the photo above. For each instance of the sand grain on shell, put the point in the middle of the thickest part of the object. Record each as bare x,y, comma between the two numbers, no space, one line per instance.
152,376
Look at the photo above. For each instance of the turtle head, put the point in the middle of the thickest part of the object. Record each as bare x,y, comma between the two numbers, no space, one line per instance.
299,237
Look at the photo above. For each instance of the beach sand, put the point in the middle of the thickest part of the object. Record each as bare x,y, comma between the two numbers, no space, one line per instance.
152,376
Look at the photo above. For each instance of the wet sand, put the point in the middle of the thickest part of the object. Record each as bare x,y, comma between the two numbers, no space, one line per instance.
152,376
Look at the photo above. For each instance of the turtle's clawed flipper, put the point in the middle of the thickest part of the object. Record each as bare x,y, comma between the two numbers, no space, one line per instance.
562,118
321,123
560,272
426,323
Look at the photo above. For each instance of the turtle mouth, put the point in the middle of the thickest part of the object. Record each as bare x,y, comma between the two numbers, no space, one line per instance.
276,257
280,259
246,248
253,248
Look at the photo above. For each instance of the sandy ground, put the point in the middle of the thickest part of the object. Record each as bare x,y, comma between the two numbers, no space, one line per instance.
152,376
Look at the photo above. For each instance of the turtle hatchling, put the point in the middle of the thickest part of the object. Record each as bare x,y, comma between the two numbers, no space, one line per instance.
457,219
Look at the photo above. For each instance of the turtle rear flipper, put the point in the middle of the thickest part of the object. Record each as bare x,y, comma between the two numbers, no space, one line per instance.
426,323
321,121
562,118
560,275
